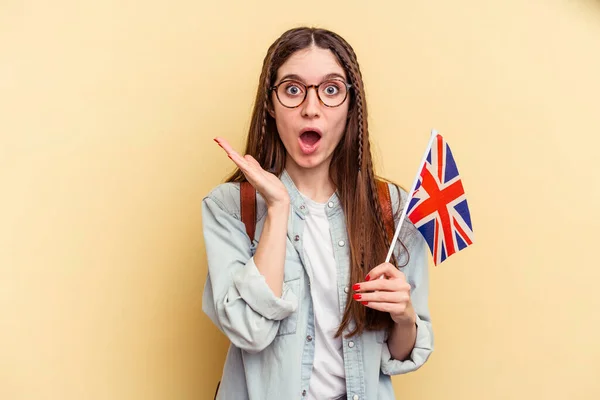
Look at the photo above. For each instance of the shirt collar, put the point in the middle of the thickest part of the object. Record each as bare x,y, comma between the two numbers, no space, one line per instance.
297,201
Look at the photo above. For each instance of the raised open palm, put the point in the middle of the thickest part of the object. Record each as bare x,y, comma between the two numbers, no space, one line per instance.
267,184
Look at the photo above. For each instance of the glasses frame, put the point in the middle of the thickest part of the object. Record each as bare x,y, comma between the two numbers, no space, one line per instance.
307,88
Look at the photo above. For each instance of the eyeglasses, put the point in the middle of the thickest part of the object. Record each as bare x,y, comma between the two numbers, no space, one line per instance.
331,93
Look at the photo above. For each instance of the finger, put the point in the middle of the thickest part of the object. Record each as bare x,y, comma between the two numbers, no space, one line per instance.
394,308
390,285
240,161
225,145
234,155
386,270
253,167
383,297
252,161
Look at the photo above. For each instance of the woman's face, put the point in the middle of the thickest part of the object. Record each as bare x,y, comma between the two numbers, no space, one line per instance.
311,131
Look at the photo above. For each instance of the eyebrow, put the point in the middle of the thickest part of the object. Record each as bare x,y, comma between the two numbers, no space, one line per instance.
298,78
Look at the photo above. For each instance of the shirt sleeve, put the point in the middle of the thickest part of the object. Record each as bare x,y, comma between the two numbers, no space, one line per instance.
236,296
417,274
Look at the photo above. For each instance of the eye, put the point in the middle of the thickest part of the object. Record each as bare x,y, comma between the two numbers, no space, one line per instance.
332,88
293,89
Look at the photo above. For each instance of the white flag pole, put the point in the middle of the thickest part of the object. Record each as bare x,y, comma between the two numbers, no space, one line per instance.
412,189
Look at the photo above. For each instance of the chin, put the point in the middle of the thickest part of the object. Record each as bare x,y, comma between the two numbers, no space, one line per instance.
308,162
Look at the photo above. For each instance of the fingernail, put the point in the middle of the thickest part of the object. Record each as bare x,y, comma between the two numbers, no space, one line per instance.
357,296
356,287
368,278
364,303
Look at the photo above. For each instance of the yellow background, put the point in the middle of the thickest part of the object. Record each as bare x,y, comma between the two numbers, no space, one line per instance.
107,114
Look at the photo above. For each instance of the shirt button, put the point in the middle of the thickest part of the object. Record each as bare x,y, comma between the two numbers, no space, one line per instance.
355,397
302,207
346,289
303,393
350,344
309,338
297,237
341,243
330,204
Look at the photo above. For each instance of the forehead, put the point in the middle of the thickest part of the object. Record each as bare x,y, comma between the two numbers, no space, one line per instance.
311,64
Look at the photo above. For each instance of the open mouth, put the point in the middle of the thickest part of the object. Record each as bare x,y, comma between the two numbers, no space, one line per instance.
310,138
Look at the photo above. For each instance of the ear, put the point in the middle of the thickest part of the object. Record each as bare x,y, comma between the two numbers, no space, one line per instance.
271,111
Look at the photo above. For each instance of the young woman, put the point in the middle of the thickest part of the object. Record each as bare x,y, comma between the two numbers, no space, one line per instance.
311,310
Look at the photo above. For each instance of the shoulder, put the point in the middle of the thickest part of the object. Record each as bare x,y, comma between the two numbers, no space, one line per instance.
398,194
399,197
226,196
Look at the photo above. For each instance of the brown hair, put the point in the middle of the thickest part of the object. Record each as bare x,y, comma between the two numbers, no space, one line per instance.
351,166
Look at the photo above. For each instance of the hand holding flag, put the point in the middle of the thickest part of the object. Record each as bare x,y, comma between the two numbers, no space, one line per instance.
437,206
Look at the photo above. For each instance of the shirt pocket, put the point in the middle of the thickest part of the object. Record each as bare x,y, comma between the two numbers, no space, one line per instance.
292,278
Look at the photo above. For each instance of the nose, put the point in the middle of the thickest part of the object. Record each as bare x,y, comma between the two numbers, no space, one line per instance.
312,106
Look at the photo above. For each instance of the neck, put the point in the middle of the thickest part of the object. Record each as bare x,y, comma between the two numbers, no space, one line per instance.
315,183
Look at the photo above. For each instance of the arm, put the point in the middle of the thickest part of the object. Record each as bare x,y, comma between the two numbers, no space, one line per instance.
396,360
247,293
403,335
405,296
270,253
237,297
399,359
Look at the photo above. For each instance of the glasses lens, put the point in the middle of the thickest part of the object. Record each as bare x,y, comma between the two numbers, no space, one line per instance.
333,93
291,93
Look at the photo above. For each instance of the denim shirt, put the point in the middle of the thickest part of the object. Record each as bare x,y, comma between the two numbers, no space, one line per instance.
272,347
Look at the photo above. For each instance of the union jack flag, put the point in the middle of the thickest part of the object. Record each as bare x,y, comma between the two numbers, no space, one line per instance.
438,205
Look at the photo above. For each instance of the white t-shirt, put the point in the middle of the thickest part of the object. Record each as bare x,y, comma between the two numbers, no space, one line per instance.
328,376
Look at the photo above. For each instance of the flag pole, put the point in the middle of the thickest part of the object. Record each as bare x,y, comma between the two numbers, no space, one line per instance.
412,189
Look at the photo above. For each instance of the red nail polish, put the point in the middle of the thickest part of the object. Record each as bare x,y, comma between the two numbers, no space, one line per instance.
364,303
357,296
356,287
367,278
